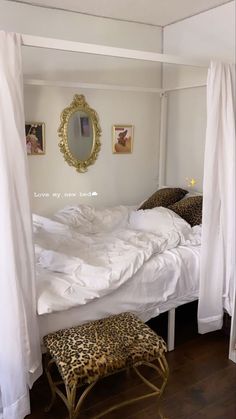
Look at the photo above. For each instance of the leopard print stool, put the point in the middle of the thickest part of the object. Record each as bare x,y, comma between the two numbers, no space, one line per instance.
87,353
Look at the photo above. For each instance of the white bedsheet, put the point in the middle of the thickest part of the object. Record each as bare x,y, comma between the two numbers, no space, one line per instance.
76,265
166,281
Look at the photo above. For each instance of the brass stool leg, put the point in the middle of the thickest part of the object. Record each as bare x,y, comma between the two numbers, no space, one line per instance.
49,362
69,398
81,399
163,371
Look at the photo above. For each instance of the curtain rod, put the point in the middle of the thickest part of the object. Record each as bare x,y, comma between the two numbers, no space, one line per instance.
72,46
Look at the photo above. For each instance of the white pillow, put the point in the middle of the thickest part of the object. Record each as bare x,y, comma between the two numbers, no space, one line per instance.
159,220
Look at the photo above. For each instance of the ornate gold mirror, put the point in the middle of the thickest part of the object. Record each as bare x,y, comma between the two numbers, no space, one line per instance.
80,134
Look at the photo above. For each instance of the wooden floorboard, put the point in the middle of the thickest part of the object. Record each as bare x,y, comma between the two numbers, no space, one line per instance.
202,385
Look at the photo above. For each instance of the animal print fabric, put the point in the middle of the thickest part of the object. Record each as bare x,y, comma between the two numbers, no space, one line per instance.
163,198
190,209
99,348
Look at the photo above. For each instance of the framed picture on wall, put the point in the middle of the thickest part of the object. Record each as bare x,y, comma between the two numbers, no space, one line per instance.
35,138
122,139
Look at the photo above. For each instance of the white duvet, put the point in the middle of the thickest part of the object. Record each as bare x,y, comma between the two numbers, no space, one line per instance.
84,253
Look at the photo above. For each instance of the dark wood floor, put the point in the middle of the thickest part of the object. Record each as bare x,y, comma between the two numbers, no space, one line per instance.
202,382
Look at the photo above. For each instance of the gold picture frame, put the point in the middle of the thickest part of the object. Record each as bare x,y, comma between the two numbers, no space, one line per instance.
35,138
80,107
122,139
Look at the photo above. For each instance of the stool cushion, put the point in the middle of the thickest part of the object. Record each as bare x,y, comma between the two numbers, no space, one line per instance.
99,348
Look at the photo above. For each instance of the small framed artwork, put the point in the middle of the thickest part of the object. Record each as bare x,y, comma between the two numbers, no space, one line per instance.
122,139
35,138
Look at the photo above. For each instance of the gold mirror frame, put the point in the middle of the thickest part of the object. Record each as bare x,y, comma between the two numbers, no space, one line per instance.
79,104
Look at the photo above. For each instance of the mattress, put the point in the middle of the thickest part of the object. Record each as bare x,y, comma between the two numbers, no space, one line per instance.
165,281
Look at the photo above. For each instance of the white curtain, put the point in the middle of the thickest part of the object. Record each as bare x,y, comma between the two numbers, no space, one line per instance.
20,357
217,282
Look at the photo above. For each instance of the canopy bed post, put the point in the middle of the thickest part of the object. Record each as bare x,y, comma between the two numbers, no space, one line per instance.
232,342
171,330
163,138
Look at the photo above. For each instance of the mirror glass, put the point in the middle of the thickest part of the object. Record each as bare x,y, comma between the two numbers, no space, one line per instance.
80,135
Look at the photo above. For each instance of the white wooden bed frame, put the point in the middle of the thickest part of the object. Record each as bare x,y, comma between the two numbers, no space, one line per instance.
79,47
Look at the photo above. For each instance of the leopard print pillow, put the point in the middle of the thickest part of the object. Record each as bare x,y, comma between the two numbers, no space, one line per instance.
190,209
163,198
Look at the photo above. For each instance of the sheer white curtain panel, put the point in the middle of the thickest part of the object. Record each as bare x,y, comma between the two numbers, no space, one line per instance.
217,277
20,355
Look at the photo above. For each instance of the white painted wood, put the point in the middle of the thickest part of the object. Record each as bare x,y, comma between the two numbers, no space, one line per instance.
72,46
193,86
103,86
163,139
58,83
232,342
171,330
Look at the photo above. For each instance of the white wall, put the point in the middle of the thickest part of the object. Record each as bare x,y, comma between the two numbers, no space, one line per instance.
117,179
209,35
186,133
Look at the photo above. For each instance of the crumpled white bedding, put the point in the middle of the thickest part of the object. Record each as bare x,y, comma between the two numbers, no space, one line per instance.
91,253
167,280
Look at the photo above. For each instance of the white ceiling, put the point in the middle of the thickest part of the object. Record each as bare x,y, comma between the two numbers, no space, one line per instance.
155,12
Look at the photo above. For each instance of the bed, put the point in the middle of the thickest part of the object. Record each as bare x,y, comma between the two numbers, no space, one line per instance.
93,263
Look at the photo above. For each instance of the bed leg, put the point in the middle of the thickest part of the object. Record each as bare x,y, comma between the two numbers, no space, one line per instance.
171,330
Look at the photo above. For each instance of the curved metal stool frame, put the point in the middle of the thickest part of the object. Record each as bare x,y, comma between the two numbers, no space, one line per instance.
70,398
